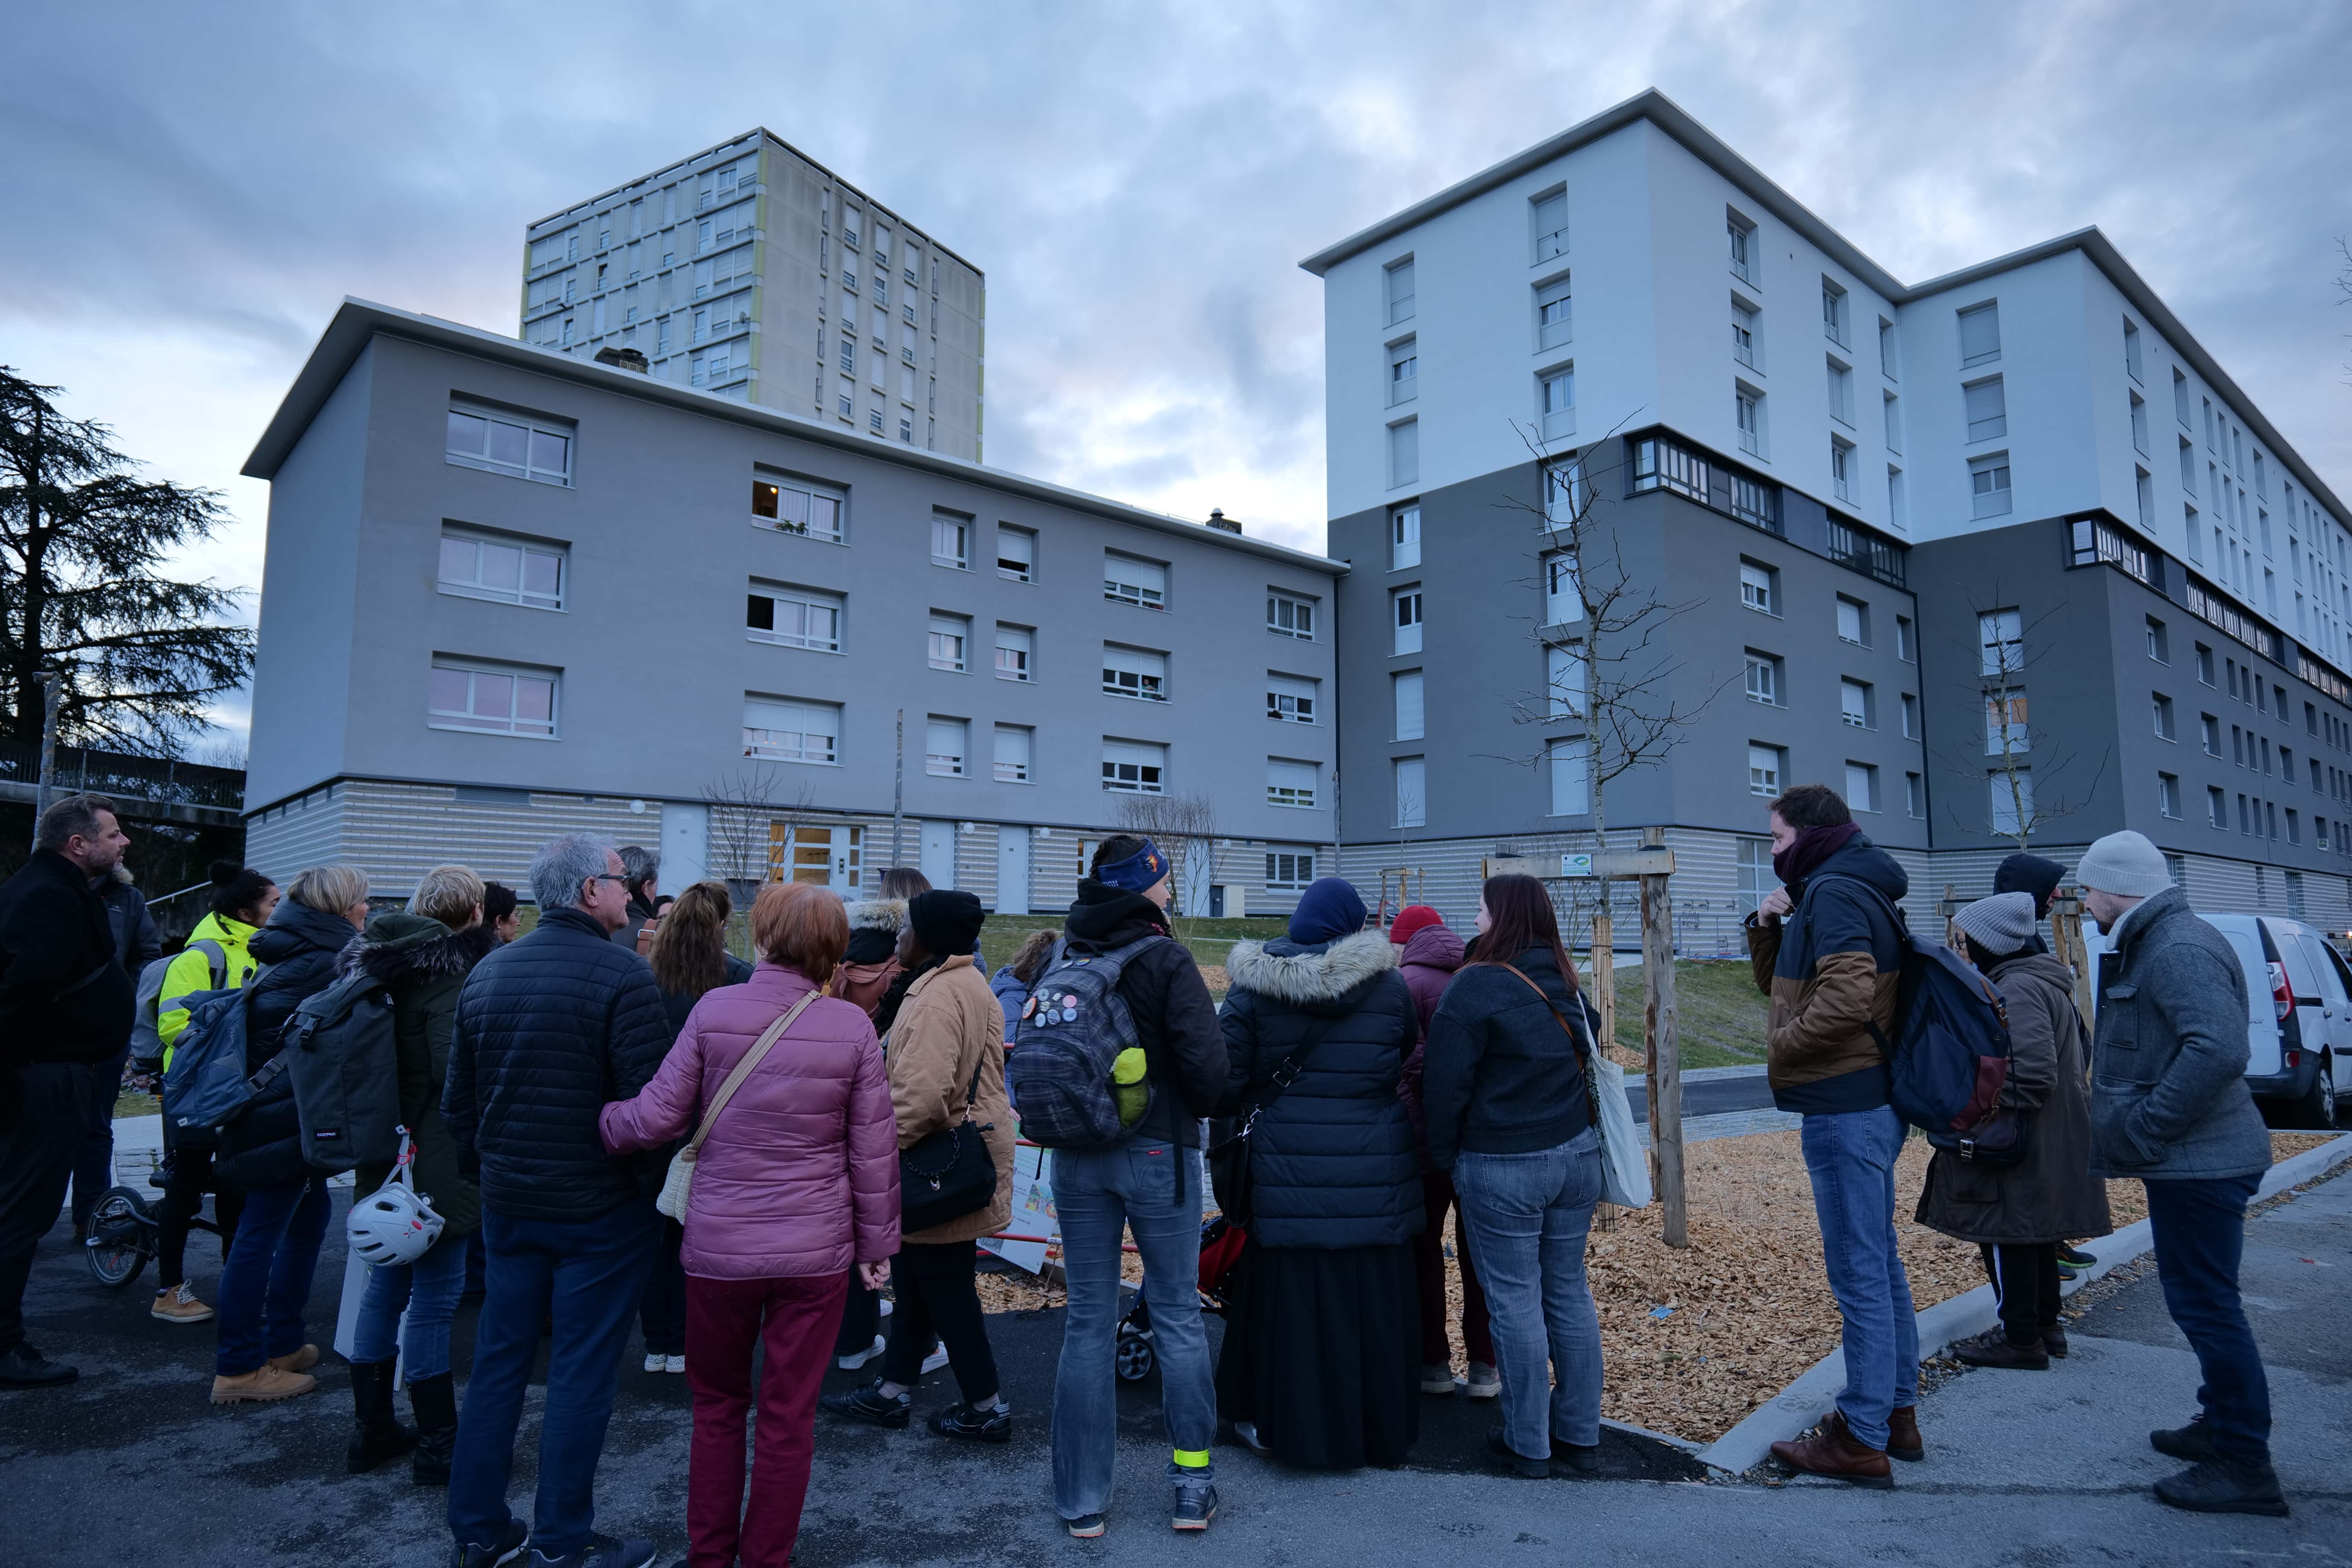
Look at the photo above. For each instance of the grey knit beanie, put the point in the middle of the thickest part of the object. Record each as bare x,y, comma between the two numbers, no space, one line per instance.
2001,924
2125,864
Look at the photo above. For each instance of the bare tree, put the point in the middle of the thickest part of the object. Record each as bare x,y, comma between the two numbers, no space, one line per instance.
745,805
1185,828
2024,762
2344,281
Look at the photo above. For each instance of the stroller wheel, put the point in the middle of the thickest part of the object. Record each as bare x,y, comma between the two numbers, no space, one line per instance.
121,1237
1135,1357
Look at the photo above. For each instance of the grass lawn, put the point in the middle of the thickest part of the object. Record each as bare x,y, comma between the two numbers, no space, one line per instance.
1722,1012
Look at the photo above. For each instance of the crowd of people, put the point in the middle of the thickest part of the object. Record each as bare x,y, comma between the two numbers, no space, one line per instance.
616,1120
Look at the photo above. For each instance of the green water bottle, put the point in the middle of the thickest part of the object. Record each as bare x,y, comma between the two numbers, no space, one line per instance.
1128,1085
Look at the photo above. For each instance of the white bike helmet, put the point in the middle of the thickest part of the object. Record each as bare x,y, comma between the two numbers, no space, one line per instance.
396,1224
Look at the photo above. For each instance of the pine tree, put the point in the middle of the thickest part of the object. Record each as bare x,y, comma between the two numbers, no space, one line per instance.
81,542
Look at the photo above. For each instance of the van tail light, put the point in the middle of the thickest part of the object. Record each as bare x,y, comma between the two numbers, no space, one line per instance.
2282,991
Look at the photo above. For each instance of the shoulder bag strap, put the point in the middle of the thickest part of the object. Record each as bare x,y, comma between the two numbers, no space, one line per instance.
1286,1073
751,1059
1588,1046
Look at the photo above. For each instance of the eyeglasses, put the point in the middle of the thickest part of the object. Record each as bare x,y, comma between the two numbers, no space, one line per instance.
609,877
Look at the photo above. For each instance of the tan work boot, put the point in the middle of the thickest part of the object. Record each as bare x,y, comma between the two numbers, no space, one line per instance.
302,1360
265,1382
179,1305
1837,1454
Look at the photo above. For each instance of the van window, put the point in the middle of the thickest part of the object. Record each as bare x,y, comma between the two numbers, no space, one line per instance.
2259,1014
2299,971
2331,986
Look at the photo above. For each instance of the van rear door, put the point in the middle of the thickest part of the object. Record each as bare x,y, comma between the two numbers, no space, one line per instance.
2255,951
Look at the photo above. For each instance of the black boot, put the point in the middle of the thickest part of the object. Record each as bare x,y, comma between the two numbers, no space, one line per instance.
378,1437
435,1401
2219,1485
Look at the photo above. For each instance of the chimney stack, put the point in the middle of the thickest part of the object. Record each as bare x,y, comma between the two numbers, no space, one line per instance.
626,359
1218,520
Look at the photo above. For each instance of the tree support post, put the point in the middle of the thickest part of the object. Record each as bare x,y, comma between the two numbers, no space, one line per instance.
1662,1044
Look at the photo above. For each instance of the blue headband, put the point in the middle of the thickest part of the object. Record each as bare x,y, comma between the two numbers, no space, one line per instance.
1138,872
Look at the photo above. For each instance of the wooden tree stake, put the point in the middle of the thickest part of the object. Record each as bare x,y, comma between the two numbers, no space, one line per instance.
1661,1047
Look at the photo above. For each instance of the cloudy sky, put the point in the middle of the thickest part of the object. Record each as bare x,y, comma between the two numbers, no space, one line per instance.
190,190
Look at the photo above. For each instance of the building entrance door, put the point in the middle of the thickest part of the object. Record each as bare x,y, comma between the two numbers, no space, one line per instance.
828,857
1012,871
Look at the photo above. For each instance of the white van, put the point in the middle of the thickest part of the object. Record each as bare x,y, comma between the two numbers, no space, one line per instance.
2298,1014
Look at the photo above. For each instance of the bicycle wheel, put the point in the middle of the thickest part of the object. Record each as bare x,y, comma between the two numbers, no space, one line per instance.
121,1237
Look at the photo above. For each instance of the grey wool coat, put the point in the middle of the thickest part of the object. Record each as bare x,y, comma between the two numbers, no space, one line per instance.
2051,1194
2168,1096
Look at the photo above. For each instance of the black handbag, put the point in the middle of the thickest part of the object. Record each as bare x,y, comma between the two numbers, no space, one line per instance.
1231,1176
948,1174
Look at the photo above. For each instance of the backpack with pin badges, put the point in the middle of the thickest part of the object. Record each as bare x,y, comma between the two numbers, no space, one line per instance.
1079,1075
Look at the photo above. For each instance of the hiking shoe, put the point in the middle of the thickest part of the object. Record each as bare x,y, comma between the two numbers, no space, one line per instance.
1512,1460
264,1381
1992,1348
1582,1458
973,1424
1196,1505
1903,1440
2221,1486
602,1551
852,1362
2193,1442
506,1549
179,1305
301,1360
2076,1256
935,1360
2054,1342
1485,1383
1436,1379
867,1403
25,1367
1086,1527
1835,1452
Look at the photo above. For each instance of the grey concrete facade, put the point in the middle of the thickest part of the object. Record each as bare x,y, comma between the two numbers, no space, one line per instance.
374,740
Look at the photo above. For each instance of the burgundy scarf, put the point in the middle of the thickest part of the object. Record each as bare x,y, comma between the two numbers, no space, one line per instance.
1805,853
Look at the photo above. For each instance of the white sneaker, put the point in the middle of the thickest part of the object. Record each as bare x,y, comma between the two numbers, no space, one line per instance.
936,1359
673,1363
886,1306
853,1362
654,1363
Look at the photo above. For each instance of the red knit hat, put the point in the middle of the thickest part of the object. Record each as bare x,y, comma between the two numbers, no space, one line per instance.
1411,919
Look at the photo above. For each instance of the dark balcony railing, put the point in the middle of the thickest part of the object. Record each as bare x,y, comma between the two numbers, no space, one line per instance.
162,780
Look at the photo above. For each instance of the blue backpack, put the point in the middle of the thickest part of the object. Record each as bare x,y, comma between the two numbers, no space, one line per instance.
1078,1076
1948,1056
206,1084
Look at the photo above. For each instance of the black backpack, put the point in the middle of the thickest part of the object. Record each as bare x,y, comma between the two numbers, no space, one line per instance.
339,1058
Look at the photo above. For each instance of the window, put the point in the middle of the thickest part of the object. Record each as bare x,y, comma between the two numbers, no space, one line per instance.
2139,424
1910,716
510,570
2159,642
1862,787
1291,698
1764,678
2010,793
1557,401
1743,334
1288,872
2209,731
943,743
1404,540
948,636
1989,485
2001,642
1764,770
1854,703
1135,767
1905,648
1131,579
1555,323
1016,552
1404,454
950,541
794,618
1981,334
1743,246
1398,283
1292,615
1895,501
1549,216
504,699
2180,398
1410,775
1289,783
1564,494
1405,615
782,729
1663,465
2189,477
2161,706
1566,674
1571,776
874,420
1834,312
1748,410
2204,664
1841,388
1892,407
1405,689
1886,349
1563,595
1988,409
1015,645
2006,731
1404,370
2131,353
1760,587
1842,468
522,446
1852,621
2217,808
2167,796
1134,672
798,506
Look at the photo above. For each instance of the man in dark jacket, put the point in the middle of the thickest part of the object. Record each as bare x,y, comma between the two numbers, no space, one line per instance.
551,1029
137,943
642,866
1149,1181
1825,947
2169,1105
65,1016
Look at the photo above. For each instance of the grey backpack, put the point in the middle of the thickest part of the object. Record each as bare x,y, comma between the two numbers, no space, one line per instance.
146,1033
339,1058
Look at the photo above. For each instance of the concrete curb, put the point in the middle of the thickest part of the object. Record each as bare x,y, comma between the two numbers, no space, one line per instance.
1815,1392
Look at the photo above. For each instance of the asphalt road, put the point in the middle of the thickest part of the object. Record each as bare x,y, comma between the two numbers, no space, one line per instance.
1743,1090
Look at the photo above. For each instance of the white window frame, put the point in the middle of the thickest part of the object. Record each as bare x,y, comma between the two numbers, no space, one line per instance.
1023,540
1763,681
1293,698
1766,765
1124,584
1289,615
473,721
1400,305
1404,540
1409,791
805,508
1547,223
1021,666
948,647
1984,409
1555,313
1569,766
800,745
1759,588
1129,672
1865,776
1014,770
1746,321
1404,371
950,541
1289,870
1563,596
1409,705
812,603
1556,401
1854,703
1989,310
526,550
1141,767
1995,496
536,461
1406,611
1295,790
1835,325
1566,678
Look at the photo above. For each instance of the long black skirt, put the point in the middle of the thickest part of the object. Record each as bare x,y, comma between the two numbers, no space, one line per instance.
1321,1351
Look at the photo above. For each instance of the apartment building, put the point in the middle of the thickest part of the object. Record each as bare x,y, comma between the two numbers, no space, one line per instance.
2002,552
510,592
755,273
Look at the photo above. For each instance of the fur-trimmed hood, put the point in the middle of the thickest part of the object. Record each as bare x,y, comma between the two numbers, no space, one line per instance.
878,914
1304,975
405,949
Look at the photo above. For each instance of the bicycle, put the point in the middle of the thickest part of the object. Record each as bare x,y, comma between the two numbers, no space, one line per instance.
123,1230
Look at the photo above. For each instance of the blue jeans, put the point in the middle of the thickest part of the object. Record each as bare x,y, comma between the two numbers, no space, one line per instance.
1527,1216
1851,1158
428,1289
2200,1230
1153,1190
266,1283
587,1274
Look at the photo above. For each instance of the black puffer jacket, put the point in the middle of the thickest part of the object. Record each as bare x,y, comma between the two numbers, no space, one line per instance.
296,951
424,963
64,996
552,1028
1175,1021
1333,1159
1500,1075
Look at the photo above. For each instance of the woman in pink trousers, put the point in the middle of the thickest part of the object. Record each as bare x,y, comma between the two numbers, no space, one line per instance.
797,1181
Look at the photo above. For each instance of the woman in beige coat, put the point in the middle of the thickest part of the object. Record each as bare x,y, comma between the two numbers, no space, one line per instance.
946,1054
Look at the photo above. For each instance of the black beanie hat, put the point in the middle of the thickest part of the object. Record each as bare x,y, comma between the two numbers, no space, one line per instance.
946,920
2030,874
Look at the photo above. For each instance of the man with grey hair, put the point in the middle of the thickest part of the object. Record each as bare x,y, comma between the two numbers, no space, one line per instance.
2169,1105
641,873
550,1030
65,1013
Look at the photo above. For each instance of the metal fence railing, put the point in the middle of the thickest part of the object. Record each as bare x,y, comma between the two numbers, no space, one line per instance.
160,779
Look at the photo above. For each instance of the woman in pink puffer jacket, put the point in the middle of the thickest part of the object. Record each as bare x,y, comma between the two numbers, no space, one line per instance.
797,1181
